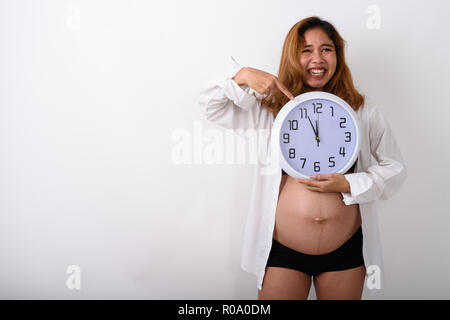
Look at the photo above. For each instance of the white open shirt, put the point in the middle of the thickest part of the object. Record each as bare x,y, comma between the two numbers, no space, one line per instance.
235,107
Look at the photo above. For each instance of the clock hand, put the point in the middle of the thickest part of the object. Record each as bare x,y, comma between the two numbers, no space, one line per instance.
317,131
317,126
312,126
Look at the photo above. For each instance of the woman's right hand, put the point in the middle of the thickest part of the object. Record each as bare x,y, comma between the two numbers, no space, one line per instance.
260,81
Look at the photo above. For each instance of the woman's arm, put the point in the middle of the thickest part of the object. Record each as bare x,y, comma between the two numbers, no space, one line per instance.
230,105
383,180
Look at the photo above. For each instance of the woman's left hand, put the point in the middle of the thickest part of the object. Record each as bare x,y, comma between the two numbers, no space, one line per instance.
332,182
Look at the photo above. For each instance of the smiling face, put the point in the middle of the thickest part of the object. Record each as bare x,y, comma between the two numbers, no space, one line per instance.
318,58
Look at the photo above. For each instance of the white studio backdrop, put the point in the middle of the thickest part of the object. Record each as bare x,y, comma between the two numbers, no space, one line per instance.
99,101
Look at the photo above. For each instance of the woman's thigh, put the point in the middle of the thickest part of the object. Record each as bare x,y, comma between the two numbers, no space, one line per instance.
339,285
284,284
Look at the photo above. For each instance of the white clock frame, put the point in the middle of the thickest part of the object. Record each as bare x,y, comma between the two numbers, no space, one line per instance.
278,122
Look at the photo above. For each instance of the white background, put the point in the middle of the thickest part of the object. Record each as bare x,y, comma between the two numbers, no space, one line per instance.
92,93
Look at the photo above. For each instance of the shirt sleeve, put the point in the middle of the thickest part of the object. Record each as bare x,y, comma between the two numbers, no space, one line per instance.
383,180
232,106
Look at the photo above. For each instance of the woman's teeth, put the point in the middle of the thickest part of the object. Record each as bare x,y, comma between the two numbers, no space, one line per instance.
317,71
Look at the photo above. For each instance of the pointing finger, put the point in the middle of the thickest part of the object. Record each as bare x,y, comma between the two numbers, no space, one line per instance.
284,90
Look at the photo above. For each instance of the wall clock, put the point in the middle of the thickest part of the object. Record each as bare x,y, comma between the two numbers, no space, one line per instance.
316,133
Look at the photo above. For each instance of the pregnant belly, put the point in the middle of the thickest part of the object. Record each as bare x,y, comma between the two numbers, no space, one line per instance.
313,222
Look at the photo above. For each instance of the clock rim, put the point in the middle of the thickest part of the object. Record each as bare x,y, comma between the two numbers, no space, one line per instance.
284,111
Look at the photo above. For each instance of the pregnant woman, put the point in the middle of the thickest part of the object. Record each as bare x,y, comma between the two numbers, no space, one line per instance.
324,230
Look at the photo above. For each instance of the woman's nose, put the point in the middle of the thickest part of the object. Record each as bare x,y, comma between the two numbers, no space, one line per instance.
317,56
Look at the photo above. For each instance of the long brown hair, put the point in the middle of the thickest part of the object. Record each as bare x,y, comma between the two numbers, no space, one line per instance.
291,75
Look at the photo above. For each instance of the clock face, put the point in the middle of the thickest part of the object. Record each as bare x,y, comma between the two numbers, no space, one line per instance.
319,134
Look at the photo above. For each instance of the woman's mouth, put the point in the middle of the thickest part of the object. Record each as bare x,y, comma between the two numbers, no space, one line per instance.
317,73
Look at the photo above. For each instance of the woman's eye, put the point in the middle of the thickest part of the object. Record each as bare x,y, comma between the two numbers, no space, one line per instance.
326,49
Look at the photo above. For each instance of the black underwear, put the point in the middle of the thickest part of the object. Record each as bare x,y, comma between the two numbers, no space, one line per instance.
347,256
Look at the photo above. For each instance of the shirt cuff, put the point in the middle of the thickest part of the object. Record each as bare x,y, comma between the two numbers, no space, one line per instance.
238,94
350,197
233,67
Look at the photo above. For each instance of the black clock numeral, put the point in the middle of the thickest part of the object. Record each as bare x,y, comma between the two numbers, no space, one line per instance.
332,111
317,109
342,151
344,120
285,137
292,153
303,113
317,166
293,124
304,161
332,161
348,135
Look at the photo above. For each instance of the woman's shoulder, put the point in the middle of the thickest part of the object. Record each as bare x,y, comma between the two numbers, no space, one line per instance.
373,117
367,110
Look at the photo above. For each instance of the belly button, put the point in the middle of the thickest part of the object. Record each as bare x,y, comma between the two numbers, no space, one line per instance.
319,220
